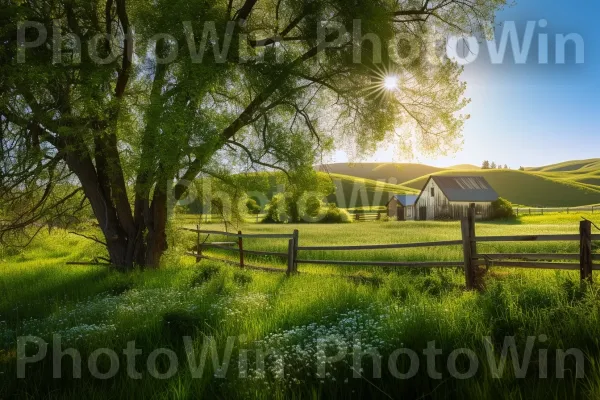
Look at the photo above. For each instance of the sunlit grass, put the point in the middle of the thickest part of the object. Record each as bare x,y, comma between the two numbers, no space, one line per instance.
94,307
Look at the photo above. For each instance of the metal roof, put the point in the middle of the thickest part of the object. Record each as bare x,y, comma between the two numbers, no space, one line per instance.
406,200
465,188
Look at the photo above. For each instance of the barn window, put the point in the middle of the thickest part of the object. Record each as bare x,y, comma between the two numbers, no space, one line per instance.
432,192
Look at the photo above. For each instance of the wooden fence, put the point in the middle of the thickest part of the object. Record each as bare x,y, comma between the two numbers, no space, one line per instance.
368,216
547,210
471,260
238,247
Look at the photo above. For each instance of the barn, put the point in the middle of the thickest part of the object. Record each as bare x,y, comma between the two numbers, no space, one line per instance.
449,198
402,207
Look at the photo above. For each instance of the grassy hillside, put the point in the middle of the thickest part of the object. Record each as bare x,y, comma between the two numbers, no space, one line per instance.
380,171
354,192
349,191
575,165
464,167
529,188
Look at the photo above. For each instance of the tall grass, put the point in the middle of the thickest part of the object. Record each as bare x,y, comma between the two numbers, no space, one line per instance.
93,307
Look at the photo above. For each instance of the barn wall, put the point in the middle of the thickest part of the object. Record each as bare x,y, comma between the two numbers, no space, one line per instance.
439,207
409,213
436,205
461,209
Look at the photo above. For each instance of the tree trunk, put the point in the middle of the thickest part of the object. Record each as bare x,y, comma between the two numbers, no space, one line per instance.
144,241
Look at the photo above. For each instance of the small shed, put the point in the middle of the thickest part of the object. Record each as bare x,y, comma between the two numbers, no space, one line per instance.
401,207
449,198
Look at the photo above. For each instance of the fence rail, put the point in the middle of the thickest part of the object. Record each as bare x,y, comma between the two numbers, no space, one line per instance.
238,247
543,210
367,216
383,246
471,257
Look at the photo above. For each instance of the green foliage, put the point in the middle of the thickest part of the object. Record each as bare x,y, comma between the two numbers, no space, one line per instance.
205,274
502,209
277,210
252,207
335,215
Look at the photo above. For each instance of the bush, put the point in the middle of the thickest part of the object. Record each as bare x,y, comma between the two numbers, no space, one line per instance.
276,210
313,206
252,207
279,209
502,208
335,215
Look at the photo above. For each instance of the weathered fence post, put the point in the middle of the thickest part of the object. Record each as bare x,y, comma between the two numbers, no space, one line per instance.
290,257
467,255
198,246
241,247
472,234
295,252
585,251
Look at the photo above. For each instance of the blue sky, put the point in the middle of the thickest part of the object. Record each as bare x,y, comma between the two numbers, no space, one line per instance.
531,114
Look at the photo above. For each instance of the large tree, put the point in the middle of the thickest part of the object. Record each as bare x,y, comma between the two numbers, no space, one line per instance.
136,117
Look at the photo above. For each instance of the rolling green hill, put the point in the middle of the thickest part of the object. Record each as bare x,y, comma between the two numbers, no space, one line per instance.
530,188
571,166
347,191
354,192
464,167
568,184
380,171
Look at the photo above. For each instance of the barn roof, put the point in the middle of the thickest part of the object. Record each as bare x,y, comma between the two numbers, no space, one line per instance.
465,188
406,200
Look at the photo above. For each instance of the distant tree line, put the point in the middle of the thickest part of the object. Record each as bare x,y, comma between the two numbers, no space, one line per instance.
492,165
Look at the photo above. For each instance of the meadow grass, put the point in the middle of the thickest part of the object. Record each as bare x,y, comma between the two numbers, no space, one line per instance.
92,307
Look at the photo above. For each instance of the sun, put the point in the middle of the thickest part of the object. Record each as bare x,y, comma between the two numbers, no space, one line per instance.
390,82
385,83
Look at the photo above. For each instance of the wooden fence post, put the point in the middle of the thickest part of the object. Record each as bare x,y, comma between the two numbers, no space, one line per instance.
241,247
295,252
472,231
198,246
290,257
468,257
585,251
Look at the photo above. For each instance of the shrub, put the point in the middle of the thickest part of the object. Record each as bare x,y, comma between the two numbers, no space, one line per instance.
335,215
502,208
252,207
276,210
313,206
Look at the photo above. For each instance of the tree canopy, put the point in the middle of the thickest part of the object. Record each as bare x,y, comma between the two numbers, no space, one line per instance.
125,102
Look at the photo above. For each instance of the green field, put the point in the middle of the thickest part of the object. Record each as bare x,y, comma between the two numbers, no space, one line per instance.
531,189
320,309
568,184
380,171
